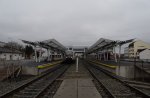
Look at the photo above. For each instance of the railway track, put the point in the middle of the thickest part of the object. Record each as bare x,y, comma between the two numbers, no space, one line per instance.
144,87
38,87
111,87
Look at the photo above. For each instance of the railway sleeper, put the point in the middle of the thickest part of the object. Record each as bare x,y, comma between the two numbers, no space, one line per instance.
28,91
52,89
119,92
35,87
123,90
22,93
32,90
18,96
100,89
130,95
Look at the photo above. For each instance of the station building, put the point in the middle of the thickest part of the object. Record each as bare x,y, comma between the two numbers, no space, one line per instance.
134,49
8,54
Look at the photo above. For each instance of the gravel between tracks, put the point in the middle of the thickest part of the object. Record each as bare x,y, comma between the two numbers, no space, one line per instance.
10,84
118,89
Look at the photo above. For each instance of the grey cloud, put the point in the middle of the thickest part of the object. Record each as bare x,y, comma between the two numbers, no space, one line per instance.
74,22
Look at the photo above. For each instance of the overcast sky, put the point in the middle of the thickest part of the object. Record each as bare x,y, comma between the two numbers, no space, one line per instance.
74,22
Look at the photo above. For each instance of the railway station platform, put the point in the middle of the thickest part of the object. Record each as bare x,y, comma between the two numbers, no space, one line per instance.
25,67
35,68
125,69
77,84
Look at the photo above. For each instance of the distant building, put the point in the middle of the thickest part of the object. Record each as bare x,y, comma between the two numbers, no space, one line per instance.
76,51
144,54
135,46
2,44
7,54
126,52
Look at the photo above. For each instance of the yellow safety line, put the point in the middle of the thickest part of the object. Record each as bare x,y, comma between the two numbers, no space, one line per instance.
48,65
110,66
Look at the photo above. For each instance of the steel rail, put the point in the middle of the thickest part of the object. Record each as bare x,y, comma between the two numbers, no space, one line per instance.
137,91
12,92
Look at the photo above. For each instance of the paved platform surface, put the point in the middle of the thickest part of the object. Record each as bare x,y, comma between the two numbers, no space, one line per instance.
77,88
77,84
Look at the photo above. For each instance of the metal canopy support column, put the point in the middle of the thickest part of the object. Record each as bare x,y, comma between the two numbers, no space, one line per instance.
64,55
84,54
104,55
115,56
73,55
119,58
40,53
35,53
119,52
95,56
50,52
100,56
107,54
61,55
48,55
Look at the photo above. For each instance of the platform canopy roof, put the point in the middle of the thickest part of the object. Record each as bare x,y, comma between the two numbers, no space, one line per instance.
48,44
103,44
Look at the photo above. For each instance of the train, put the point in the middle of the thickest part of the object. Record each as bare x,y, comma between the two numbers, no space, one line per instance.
68,60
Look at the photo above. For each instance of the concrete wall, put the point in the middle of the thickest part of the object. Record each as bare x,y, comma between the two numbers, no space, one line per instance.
125,71
10,56
132,73
29,70
141,74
